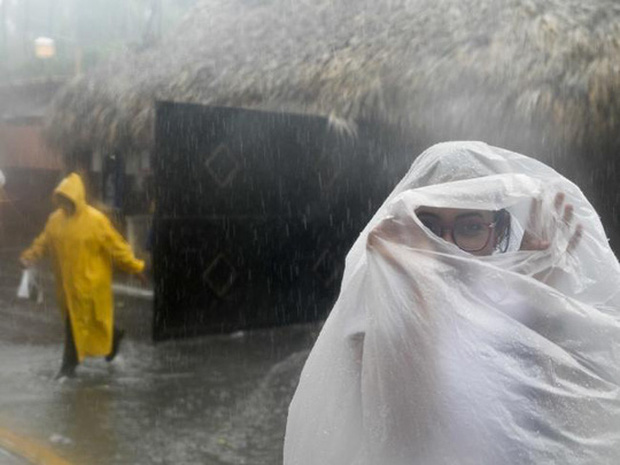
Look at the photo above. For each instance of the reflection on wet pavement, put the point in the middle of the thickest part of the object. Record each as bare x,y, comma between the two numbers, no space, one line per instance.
217,400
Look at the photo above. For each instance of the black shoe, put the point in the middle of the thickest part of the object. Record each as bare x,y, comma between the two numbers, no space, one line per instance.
116,342
65,372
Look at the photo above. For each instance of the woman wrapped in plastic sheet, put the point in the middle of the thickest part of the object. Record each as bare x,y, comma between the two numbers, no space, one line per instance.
478,323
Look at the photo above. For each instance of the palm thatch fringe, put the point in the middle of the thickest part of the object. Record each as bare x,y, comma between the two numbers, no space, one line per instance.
548,69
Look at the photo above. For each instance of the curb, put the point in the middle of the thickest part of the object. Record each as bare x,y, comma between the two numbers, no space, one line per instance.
32,451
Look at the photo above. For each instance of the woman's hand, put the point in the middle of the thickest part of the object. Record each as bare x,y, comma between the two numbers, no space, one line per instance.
388,231
532,242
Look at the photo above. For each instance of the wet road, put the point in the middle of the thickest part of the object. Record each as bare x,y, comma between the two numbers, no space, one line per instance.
6,458
216,400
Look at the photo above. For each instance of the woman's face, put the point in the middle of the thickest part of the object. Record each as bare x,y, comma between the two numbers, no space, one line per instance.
471,230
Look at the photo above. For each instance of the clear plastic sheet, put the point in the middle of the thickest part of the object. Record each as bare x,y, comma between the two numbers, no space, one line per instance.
432,355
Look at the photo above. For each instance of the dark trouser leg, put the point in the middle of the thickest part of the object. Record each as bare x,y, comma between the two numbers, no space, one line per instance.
69,356
117,337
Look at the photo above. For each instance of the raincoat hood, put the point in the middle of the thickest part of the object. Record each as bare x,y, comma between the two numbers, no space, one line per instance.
434,356
72,187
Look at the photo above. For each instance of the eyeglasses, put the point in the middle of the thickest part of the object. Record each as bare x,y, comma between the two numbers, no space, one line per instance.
469,234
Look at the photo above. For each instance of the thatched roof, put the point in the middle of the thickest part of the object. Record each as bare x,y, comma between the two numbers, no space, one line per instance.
516,66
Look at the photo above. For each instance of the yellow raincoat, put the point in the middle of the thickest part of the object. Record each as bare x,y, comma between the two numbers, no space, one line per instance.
83,247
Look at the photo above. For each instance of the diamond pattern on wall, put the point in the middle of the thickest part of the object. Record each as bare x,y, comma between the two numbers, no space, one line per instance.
222,165
220,275
325,269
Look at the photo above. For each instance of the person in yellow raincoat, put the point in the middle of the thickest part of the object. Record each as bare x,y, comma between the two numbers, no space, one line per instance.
83,247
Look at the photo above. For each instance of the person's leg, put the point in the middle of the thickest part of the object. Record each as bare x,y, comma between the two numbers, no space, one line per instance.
117,337
69,357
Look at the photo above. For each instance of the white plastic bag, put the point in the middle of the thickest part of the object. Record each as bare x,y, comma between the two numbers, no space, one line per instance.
23,290
433,356
29,287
